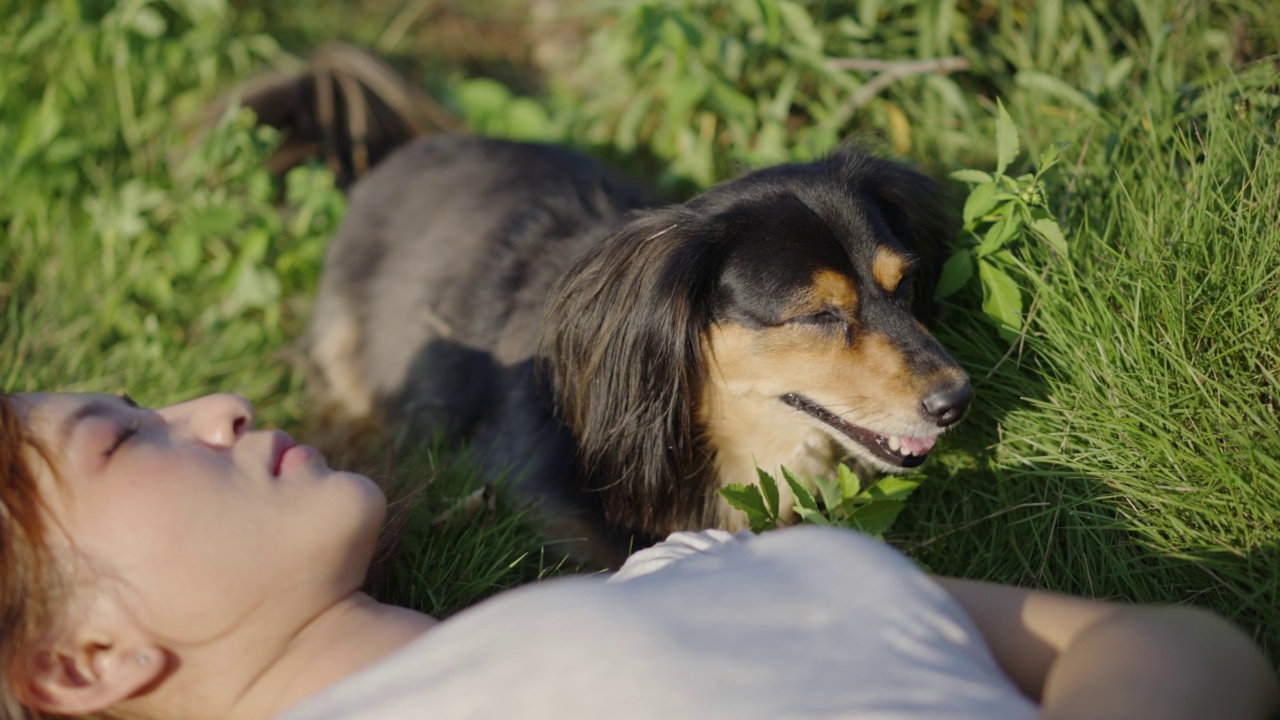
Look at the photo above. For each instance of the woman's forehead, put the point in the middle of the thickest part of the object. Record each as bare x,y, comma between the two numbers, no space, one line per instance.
49,419
47,414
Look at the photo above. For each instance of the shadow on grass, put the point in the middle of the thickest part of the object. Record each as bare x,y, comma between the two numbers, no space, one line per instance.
1055,528
1071,527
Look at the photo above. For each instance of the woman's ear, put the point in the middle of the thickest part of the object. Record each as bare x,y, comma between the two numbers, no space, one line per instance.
88,665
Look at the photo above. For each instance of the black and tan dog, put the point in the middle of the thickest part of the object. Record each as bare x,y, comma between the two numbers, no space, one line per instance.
626,360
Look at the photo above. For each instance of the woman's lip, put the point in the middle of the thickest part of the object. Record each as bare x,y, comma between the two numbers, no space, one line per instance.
281,444
296,456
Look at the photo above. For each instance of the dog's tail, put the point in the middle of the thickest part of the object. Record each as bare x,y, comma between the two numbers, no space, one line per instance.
347,106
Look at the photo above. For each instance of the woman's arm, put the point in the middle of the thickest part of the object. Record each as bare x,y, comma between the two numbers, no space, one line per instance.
1097,660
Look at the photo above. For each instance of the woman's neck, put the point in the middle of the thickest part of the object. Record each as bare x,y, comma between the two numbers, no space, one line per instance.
268,668
351,635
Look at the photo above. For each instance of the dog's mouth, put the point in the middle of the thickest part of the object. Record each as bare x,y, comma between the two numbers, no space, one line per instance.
894,450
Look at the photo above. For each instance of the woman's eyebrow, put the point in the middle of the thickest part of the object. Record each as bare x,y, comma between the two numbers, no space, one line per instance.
92,408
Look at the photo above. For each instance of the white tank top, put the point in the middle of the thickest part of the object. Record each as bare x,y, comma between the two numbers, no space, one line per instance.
800,623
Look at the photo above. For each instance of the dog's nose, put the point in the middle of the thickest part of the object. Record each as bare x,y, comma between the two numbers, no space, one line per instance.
947,406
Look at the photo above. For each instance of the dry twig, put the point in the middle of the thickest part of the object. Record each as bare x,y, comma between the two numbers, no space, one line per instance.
891,71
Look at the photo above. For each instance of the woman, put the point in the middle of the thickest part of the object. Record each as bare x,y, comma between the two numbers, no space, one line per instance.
177,563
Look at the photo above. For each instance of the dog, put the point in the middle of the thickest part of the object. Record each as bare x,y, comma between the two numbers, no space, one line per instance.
625,359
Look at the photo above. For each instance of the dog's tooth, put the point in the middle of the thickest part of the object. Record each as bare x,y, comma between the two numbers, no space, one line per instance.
895,443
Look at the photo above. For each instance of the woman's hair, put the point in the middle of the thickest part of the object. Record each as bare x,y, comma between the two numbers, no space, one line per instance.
29,596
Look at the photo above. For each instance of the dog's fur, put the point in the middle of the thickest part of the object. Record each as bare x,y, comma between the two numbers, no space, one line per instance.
628,360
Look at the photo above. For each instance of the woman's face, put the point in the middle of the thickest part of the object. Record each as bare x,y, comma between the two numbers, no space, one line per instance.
198,520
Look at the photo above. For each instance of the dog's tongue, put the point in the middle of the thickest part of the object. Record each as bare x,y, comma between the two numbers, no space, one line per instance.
918,445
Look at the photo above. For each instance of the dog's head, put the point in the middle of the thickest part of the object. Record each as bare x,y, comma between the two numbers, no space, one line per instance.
788,292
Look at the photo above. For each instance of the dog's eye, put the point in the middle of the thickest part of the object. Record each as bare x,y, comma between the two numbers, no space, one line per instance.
825,317
904,289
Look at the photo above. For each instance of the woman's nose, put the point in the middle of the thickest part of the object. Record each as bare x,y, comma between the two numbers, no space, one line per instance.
218,420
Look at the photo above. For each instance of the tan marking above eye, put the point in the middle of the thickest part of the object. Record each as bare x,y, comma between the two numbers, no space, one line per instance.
828,290
888,267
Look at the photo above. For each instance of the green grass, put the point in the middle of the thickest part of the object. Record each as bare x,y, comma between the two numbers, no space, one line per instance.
1132,449
1126,447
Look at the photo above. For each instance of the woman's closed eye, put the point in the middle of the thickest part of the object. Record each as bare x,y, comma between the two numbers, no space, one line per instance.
124,435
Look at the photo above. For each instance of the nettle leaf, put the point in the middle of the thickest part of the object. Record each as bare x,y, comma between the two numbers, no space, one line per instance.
769,488
875,518
812,516
804,499
1006,139
750,501
892,487
982,199
956,273
1000,232
850,483
830,491
1001,297
1050,156
1048,229
971,176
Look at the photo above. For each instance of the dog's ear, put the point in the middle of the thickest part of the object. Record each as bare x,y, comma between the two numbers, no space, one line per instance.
621,345
918,212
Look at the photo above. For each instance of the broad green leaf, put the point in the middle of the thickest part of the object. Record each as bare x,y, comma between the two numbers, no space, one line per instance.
850,483
482,98
769,488
527,120
892,487
812,516
748,499
684,93
1049,157
956,272
1000,232
981,200
829,490
804,499
875,518
1001,297
731,103
1048,229
1006,139
971,176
